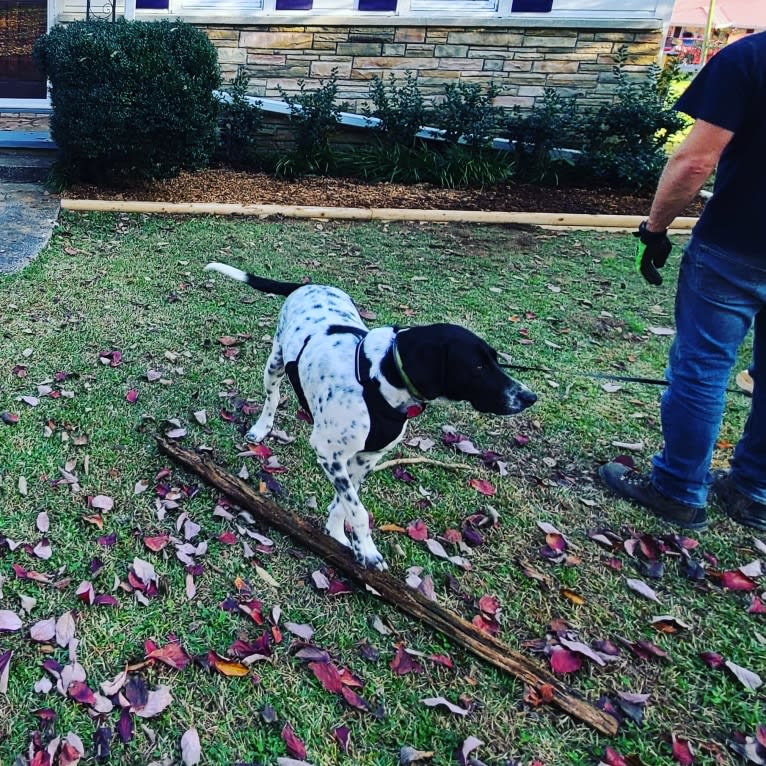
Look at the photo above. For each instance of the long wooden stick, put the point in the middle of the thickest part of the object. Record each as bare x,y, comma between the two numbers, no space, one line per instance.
387,587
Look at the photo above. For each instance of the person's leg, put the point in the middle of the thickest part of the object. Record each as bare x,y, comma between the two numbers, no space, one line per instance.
748,465
716,300
717,297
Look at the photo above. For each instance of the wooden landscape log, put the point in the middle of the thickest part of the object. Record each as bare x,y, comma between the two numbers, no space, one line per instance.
563,220
392,590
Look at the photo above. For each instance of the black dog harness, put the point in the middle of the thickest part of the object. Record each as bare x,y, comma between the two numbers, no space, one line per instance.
386,422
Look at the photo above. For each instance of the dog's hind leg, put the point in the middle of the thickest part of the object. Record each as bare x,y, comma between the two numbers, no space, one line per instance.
272,377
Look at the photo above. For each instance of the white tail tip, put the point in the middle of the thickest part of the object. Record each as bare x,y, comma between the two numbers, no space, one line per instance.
227,271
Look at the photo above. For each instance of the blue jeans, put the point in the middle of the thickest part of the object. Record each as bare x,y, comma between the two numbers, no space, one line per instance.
720,296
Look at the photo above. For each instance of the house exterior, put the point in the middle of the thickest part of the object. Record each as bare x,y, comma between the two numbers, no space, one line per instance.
523,46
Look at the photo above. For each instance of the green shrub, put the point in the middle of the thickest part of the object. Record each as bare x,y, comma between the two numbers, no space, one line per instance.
468,112
315,117
239,124
552,124
131,100
400,108
624,143
442,164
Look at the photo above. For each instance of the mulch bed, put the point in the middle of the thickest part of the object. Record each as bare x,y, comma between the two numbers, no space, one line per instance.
230,186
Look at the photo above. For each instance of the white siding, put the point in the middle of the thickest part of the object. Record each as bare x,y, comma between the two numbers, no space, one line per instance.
605,13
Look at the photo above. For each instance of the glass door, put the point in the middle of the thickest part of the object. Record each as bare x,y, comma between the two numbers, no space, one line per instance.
21,23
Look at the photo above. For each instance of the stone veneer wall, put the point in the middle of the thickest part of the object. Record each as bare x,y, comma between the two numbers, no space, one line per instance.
522,61
15,120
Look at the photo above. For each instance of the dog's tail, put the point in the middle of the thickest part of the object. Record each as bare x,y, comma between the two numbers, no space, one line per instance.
257,283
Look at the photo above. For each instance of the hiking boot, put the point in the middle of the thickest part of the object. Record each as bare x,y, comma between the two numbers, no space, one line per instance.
638,487
737,505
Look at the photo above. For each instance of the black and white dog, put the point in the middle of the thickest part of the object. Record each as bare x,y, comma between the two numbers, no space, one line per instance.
359,386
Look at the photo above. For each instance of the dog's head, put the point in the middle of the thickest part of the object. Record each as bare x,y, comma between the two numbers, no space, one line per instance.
446,360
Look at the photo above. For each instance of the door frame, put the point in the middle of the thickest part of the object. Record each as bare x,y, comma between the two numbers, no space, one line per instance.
32,104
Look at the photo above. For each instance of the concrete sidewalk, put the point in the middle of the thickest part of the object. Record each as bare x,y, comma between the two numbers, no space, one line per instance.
27,217
28,212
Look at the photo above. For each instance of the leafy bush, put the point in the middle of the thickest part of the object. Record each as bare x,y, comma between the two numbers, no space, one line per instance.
624,143
401,109
316,118
467,112
441,164
537,134
131,100
239,124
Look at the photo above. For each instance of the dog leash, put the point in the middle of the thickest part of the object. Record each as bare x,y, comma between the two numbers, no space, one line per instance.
606,376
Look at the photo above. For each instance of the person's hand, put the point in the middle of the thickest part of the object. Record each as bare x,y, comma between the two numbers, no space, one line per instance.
652,250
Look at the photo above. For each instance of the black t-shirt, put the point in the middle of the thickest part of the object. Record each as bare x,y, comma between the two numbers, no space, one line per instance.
730,92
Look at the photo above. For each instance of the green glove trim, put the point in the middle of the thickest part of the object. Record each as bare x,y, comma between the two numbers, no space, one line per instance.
640,250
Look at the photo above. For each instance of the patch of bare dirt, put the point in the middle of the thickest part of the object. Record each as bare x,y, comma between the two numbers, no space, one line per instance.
231,186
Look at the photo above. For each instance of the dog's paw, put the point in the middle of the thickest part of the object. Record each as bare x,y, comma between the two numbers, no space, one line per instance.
367,555
256,434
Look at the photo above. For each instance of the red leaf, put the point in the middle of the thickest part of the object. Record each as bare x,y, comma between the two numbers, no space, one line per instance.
488,626
564,661
253,609
327,675
713,659
735,580
353,699
171,654
260,450
295,746
227,538
489,605
79,691
338,588
342,735
682,751
404,663
613,758
483,486
756,606
417,530
156,543
132,396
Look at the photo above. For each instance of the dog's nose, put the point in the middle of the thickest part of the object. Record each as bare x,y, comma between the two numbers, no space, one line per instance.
527,398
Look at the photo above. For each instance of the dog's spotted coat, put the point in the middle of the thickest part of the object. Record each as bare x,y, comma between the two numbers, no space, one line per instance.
360,385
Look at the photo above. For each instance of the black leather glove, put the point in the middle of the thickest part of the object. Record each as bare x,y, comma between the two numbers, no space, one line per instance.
652,250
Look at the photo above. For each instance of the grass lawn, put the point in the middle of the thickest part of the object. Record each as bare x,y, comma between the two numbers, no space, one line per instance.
81,464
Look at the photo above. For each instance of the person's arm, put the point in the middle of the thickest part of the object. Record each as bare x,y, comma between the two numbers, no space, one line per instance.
686,171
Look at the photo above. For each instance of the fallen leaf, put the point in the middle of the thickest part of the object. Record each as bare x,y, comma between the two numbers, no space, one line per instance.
483,486
226,666
294,744
10,622
747,678
191,750
5,669
640,587
157,700
171,654
442,702
682,750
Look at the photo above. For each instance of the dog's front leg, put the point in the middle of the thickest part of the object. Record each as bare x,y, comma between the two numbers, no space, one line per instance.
347,500
272,377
